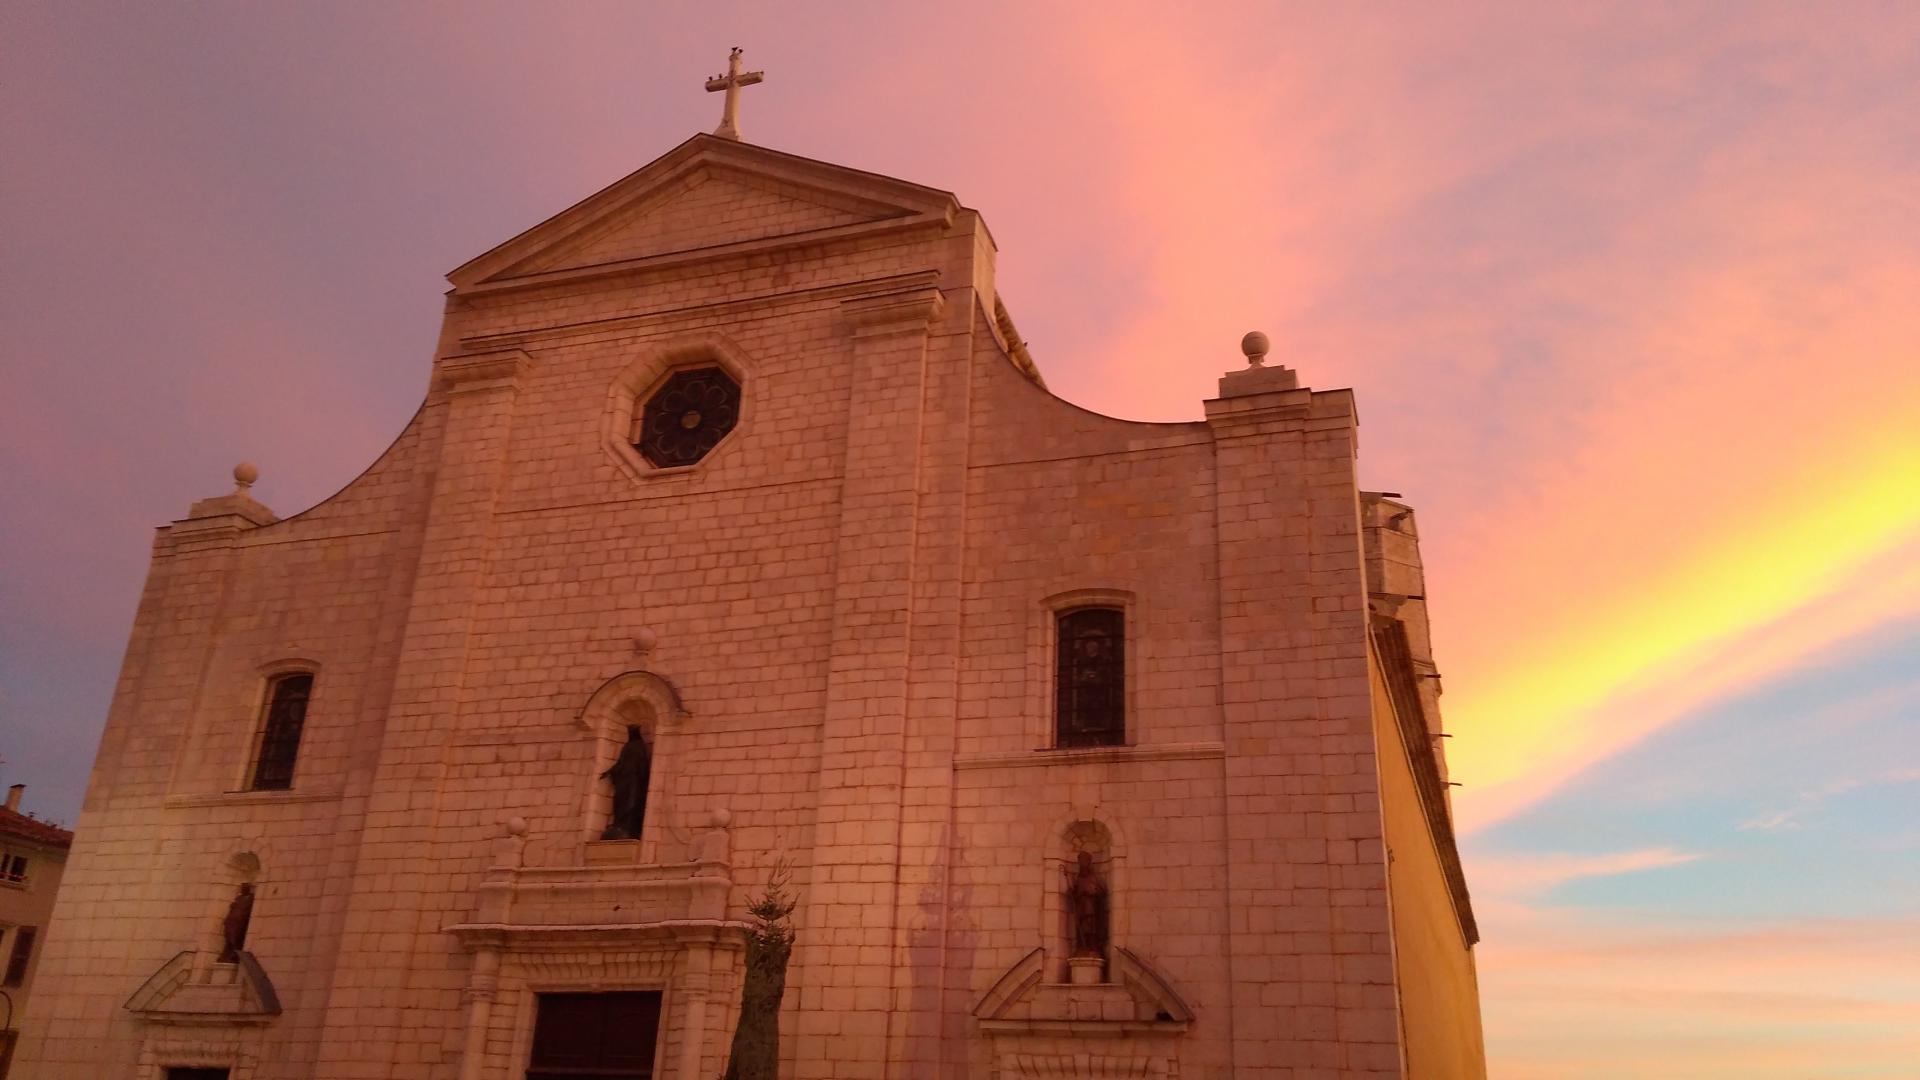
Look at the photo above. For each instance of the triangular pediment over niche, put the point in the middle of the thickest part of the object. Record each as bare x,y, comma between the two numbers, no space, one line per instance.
1128,1027
1135,1000
707,197
189,989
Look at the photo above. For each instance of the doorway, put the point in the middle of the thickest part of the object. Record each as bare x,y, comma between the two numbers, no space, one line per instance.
607,1036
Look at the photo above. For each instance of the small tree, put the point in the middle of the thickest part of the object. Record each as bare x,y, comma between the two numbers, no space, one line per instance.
756,1042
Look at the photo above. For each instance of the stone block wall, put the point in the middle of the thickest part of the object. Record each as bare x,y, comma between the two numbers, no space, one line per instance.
850,601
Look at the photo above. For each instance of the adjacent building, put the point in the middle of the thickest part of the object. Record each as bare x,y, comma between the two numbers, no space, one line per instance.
32,855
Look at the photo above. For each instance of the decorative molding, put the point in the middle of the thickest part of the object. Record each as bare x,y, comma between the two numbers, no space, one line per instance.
894,205
516,938
616,326
1395,658
1092,755
247,798
1128,1027
470,372
683,260
901,311
653,688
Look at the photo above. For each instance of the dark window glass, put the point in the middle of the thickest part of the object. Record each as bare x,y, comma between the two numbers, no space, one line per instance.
196,1072
13,869
1090,705
604,1036
22,952
280,739
687,416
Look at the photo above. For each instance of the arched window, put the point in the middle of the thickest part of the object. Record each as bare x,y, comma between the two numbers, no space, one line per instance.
1090,699
286,714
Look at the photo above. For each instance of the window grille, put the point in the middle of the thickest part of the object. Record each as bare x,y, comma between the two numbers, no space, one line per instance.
280,736
1090,702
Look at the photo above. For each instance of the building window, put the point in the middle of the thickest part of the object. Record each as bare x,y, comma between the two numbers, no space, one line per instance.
1090,700
280,735
13,869
197,1072
690,413
17,959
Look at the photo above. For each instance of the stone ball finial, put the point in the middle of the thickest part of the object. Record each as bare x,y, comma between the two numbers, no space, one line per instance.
721,817
244,474
516,826
644,640
1255,345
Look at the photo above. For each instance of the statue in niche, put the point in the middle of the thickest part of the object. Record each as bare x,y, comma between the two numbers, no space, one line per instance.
233,928
1087,906
628,775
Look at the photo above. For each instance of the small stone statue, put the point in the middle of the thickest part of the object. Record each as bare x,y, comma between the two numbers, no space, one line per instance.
629,774
1087,900
233,928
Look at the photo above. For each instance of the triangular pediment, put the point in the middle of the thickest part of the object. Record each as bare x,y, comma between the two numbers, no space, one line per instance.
1134,1000
184,991
707,197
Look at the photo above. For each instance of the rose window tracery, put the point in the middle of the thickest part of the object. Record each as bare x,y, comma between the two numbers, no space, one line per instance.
690,413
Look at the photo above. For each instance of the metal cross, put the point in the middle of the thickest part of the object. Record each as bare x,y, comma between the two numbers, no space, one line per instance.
731,82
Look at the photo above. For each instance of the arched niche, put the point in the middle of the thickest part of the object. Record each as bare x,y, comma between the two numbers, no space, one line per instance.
650,702
1082,831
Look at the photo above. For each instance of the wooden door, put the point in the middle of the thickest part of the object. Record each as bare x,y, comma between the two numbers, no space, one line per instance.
595,1036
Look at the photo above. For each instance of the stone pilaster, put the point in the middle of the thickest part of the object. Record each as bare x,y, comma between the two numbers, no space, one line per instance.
846,951
1310,953
388,923
920,1016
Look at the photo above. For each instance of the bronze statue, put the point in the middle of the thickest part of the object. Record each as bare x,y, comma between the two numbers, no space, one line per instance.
629,774
233,928
1087,900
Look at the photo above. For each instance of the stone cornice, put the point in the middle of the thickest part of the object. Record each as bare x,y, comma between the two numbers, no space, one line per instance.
469,372
682,260
626,324
724,933
1397,668
899,311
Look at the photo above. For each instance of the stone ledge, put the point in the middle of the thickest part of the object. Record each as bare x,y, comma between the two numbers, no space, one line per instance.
245,798
721,932
617,326
1048,756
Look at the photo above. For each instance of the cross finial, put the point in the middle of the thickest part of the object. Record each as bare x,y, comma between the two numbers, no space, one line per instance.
731,82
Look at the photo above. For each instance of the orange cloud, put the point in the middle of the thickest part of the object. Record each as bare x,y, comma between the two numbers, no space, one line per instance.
1655,401
1504,879
1571,993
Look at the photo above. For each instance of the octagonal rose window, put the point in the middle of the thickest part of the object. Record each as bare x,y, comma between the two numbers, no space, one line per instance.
690,413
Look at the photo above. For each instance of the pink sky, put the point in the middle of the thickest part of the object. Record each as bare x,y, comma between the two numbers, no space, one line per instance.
1628,299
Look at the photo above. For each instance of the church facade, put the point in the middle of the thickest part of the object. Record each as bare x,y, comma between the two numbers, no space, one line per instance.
738,536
